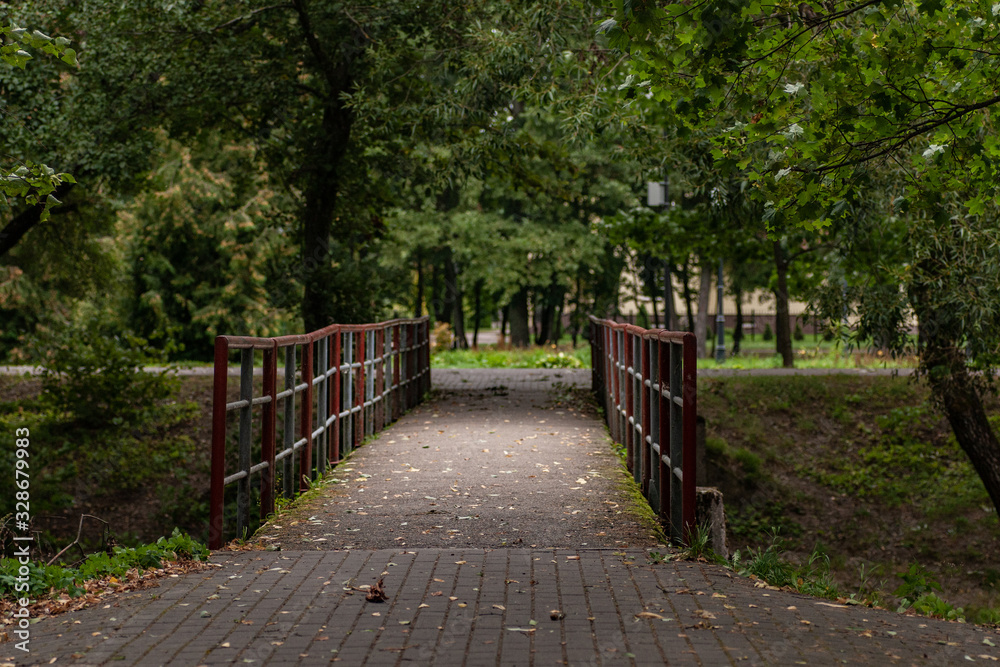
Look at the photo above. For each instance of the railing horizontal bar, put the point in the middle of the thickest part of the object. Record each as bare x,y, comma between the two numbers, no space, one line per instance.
284,394
284,453
235,477
299,443
236,405
260,466
679,474
260,400
319,431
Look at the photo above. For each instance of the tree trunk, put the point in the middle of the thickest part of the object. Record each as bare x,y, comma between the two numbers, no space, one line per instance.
577,321
782,326
738,331
669,316
455,299
701,319
520,334
418,308
649,280
478,308
686,277
553,297
437,287
957,391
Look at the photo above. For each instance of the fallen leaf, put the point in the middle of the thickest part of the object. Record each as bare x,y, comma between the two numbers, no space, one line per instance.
649,614
422,606
557,614
718,595
702,613
500,607
459,562
224,644
376,593
526,630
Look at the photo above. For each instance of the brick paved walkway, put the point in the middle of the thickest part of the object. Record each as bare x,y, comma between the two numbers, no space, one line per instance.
461,603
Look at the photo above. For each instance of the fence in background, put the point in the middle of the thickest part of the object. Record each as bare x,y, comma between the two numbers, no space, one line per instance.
340,384
647,382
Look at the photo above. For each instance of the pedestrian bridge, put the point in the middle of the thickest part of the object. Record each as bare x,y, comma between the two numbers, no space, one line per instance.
492,523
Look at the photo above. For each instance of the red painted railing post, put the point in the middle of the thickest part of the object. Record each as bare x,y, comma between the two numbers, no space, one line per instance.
335,396
306,420
690,398
269,426
629,402
219,396
646,439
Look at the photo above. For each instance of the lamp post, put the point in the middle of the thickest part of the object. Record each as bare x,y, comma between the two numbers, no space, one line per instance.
720,324
658,194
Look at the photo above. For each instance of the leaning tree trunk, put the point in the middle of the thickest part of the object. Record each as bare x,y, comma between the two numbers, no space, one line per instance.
782,326
955,390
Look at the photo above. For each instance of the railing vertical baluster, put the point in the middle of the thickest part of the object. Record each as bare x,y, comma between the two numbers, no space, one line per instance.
219,396
359,391
335,396
269,426
665,472
246,431
288,472
306,418
396,411
379,366
629,402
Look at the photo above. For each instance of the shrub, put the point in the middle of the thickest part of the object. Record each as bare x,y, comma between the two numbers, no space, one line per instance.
94,371
798,335
768,333
442,337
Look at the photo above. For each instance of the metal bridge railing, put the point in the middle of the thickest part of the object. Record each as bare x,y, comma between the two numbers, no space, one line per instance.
339,384
647,382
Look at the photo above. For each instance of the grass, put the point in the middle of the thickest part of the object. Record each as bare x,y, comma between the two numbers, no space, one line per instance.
862,470
490,356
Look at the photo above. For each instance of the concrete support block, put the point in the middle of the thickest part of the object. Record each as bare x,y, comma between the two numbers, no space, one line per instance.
711,512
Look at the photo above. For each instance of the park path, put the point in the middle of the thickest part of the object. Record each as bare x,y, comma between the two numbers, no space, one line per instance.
564,577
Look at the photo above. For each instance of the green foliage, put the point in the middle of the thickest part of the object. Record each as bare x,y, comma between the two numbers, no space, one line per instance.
768,334
45,580
205,249
916,593
27,181
95,374
812,578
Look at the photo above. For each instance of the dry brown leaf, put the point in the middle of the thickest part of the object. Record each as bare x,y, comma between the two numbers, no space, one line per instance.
376,593
648,614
